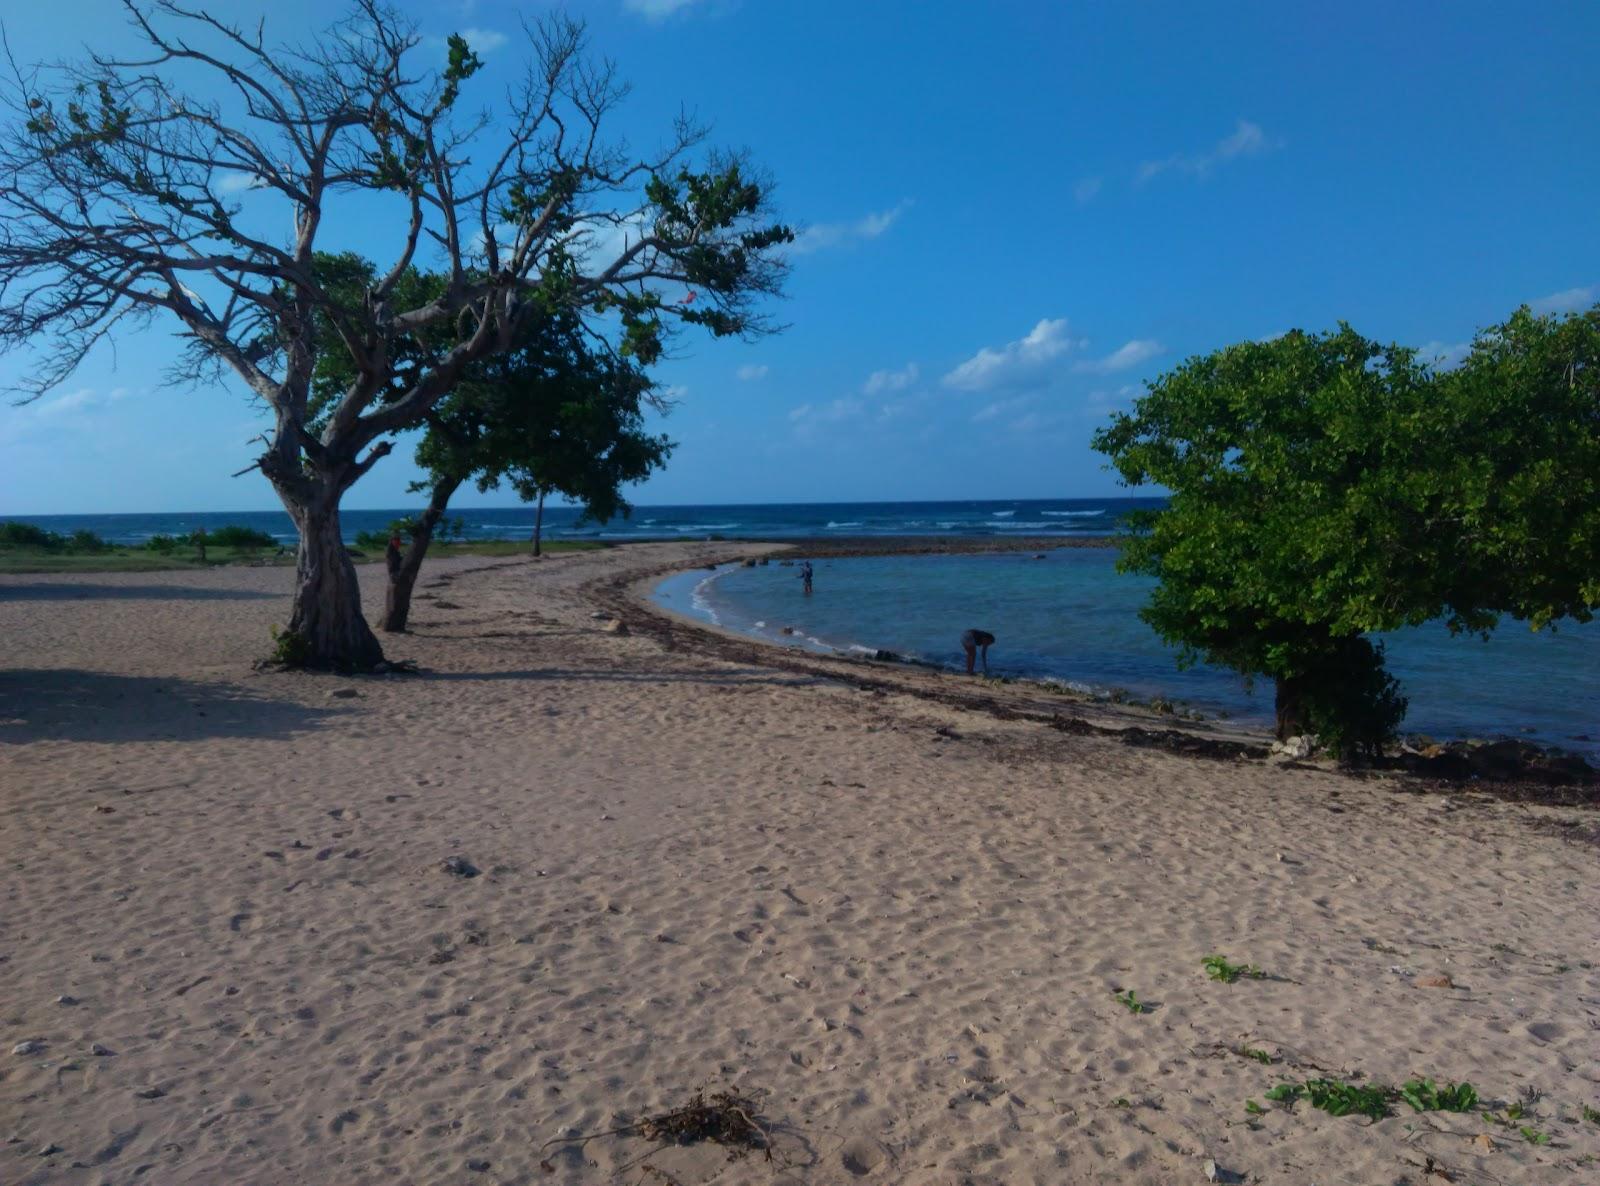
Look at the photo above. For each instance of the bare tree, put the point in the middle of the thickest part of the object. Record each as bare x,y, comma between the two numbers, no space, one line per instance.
120,202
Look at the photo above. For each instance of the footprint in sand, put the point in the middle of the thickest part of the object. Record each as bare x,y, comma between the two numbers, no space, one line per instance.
861,1155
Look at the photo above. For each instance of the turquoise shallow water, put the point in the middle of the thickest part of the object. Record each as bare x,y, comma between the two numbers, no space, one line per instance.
1072,617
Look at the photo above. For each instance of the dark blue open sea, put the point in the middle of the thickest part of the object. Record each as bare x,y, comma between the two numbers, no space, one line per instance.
1069,617
1062,516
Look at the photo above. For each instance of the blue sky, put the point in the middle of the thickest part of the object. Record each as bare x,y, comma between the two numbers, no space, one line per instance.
1013,213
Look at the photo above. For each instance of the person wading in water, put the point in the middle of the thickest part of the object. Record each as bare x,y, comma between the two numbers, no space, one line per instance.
805,577
972,641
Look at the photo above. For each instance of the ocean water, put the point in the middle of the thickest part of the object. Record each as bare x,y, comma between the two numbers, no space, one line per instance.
1059,517
1072,617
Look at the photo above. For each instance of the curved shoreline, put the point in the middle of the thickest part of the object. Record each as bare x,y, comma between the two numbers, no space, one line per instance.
1059,708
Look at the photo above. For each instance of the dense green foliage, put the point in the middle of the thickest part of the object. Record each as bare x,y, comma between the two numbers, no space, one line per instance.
27,536
1524,461
1324,487
560,413
233,536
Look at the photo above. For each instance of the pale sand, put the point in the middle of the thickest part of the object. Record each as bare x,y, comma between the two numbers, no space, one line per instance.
698,871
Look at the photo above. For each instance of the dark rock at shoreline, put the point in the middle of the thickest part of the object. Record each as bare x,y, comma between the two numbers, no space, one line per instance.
883,656
1508,760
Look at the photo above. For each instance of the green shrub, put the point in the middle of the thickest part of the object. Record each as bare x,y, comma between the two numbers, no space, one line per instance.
290,648
26,535
377,541
234,536
1424,1095
161,543
86,541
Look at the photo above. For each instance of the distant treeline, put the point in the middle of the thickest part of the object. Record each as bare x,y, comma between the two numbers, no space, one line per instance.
28,537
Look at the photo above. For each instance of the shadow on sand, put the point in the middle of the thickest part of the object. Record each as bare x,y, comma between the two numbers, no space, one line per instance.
68,704
74,591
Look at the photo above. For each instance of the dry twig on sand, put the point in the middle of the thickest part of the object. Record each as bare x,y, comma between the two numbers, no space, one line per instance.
724,1118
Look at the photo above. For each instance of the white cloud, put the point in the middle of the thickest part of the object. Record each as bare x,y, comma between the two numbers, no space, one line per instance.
484,41
1086,189
1016,363
812,421
1003,407
750,373
1444,356
1247,139
1130,354
236,183
1568,300
834,234
881,381
73,401
656,10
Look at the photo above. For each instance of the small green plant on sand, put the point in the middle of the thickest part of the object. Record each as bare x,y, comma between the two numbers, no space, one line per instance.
1218,968
290,648
1132,1003
1336,1098
1260,1056
1533,1136
1591,1115
1425,1096
1253,1108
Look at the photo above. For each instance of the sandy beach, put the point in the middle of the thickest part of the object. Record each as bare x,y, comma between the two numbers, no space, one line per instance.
230,951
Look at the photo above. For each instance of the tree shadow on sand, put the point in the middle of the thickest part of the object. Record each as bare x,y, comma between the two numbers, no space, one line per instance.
76,591
69,704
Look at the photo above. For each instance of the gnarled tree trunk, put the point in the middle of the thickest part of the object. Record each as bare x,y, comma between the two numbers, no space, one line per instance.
1289,703
326,622
403,576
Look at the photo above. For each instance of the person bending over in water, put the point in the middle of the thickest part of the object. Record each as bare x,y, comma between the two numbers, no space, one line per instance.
974,640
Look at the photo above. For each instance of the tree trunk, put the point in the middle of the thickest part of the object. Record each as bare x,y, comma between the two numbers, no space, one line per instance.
1289,701
326,625
403,576
538,525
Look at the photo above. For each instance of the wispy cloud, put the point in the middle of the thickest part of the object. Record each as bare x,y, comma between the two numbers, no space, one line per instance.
751,372
1025,361
235,183
1130,354
484,41
1001,407
811,421
881,381
1567,300
1087,189
1247,139
1444,356
657,10
834,234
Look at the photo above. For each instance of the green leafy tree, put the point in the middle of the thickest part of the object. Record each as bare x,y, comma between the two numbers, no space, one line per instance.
120,198
1299,519
562,413
1324,487
1526,466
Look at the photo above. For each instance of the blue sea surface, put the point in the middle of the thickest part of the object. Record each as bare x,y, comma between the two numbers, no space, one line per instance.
1071,617
1059,517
